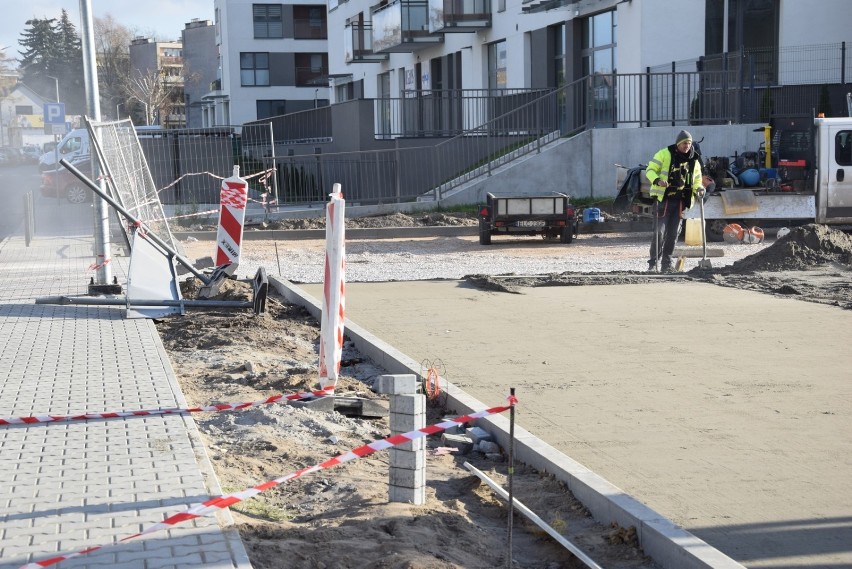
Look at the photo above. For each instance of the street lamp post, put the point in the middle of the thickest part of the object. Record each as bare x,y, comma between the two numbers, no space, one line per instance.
56,82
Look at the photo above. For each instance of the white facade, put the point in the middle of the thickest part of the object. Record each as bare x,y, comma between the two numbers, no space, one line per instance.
236,102
648,33
22,118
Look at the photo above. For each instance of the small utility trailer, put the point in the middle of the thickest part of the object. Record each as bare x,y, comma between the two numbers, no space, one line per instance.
553,217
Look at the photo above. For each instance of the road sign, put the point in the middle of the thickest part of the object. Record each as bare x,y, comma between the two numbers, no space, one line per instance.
54,113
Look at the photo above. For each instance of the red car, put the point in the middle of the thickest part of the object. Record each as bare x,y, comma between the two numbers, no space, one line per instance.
63,184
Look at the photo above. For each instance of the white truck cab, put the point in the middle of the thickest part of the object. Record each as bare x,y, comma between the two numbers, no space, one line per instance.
73,147
819,166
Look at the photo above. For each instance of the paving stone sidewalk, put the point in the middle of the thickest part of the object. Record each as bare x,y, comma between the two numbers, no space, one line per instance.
72,485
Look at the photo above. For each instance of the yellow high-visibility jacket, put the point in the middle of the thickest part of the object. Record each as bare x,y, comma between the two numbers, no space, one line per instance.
659,168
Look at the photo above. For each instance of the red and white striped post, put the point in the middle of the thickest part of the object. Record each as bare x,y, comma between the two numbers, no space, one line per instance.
232,215
334,288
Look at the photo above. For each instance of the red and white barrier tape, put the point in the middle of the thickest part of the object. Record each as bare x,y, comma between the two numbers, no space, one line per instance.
96,266
152,412
211,507
267,173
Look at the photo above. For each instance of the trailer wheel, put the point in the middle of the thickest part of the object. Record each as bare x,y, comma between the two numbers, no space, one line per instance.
567,234
484,234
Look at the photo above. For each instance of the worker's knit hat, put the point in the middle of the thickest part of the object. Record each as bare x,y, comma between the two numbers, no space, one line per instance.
683,135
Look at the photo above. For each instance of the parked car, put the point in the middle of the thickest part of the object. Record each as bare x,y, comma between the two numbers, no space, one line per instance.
31,154
63,184
11,156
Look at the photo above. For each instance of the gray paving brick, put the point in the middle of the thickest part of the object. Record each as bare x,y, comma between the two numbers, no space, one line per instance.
79,484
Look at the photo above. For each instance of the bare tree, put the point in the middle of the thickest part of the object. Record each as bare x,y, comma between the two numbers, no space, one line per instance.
112,41
152,91
7,62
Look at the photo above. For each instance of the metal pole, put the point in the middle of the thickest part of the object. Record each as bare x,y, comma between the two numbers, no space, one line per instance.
510,477
56,83
103,275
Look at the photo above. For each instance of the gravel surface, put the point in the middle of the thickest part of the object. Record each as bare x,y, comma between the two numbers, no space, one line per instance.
456,257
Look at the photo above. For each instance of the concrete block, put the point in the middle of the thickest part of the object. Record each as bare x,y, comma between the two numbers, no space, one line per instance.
488,447
452,430
406,459
416,496
408,404
408,478
461,442
404,423
415,445
319,404
400,384
479,434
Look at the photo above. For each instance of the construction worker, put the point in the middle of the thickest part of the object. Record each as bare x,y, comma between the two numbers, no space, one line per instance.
675,175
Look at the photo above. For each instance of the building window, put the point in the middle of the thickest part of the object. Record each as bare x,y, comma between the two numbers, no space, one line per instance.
254,69
560,55
497,65
311,70
266,109
23,109
268,22
748,26
309,23
598,47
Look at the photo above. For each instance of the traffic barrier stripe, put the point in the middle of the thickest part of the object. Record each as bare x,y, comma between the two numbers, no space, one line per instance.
152,412
211,507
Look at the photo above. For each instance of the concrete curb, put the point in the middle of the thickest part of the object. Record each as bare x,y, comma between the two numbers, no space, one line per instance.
669,545
399,232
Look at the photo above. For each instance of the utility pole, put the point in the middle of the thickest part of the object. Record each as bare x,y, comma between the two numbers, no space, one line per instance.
103,281
56,82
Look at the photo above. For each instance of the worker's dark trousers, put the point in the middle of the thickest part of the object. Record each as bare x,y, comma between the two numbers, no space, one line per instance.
667,229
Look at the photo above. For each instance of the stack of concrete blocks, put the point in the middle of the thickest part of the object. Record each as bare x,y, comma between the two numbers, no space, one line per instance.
407,461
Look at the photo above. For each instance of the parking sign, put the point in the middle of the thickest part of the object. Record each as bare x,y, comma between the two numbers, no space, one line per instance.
54,113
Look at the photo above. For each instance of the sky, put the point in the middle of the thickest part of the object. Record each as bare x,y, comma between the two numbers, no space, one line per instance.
160,19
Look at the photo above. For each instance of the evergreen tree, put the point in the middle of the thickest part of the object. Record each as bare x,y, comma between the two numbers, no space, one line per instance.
39,41
53,49
70,65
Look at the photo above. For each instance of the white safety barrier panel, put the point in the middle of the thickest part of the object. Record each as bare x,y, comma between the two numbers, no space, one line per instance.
333,297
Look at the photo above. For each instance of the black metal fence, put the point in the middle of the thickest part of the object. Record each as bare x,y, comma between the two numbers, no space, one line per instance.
434,141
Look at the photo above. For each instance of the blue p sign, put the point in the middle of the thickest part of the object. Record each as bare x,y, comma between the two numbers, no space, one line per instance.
54,113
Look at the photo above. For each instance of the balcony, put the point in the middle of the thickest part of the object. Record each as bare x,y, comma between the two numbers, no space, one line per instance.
312,76
402,27
459,15
310,29
358,44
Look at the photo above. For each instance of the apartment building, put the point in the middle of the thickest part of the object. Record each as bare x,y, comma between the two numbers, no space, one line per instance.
156,70
384,48
200,67
272,60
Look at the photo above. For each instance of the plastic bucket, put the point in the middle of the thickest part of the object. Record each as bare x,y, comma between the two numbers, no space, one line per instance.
591,215
693,232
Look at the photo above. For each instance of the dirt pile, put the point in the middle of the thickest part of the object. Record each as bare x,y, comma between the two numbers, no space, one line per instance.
432,219
803,248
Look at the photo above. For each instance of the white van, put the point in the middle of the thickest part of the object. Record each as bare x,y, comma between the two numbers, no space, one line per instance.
73,147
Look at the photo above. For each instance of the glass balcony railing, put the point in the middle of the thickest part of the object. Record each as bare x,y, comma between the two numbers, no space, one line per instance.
358,44
402,26
459,15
